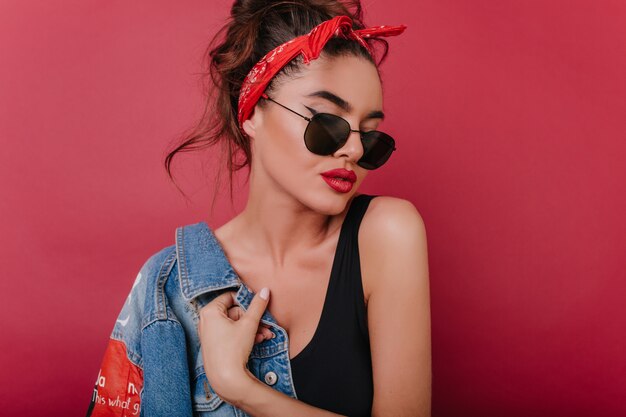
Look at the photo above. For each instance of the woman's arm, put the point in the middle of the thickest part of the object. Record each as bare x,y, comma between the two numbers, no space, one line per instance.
260,400
394,260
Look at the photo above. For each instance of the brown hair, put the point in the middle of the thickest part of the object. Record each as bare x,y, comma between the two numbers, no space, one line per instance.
254,28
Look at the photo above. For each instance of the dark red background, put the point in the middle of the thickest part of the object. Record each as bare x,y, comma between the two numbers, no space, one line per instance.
510,123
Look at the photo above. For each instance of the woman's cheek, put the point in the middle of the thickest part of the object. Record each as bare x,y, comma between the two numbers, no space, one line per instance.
289,149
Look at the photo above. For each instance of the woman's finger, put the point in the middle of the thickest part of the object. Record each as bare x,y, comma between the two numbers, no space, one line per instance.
257,307
222,302
267,333
235,313
263,335
263,331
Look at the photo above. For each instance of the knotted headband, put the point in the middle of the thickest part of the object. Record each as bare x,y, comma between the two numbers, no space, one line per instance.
310,46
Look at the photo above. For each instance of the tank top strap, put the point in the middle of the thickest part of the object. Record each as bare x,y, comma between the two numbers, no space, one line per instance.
351,263
357,210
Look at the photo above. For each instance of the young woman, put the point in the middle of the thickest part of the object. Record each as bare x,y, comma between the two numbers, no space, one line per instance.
346,330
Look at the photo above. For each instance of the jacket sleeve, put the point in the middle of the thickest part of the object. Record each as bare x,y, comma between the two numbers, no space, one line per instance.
118,388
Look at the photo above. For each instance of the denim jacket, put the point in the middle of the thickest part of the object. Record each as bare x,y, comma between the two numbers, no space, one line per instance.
152,365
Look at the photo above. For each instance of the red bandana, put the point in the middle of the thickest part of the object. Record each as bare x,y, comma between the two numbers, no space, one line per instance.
310,45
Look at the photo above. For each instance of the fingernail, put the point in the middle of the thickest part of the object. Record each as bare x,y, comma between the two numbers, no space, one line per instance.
265,292
273,335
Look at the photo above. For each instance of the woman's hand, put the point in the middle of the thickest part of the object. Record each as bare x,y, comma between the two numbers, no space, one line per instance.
226,343
263,332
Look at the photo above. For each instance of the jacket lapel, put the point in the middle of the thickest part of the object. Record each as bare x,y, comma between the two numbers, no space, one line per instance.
203,267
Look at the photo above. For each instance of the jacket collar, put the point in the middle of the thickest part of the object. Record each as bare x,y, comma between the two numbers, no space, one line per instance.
202,262
203,266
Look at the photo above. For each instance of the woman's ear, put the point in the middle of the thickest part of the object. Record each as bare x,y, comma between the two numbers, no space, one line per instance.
250,124
248,127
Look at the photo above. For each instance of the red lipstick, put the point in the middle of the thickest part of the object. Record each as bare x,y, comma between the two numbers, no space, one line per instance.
340,179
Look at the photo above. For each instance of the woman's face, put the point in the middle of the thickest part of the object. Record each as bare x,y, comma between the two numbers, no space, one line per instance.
280,158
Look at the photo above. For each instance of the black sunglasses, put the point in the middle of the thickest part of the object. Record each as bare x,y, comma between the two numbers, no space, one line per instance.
326,133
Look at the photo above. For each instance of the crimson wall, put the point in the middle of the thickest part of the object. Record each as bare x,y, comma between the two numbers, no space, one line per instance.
509,117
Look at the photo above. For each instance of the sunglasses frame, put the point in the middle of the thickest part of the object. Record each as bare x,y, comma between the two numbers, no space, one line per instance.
309,119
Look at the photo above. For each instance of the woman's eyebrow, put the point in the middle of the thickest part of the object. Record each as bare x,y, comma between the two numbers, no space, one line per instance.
343,104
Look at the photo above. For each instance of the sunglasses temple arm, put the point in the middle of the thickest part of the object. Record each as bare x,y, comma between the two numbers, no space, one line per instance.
265,96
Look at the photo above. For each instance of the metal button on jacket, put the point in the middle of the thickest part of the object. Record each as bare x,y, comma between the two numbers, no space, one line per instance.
270,378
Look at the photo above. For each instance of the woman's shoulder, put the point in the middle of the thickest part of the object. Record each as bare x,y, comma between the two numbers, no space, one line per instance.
388,214
387,223
192,249
194,265
156,261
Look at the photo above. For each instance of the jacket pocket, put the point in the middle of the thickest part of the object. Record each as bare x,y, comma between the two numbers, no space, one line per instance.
204,398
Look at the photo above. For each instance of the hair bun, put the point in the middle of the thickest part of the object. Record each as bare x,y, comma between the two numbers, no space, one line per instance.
246,8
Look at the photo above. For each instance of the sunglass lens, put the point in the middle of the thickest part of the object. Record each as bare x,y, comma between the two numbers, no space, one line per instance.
326,133
377,148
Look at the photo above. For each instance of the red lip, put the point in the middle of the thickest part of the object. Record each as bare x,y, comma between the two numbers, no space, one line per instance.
341,173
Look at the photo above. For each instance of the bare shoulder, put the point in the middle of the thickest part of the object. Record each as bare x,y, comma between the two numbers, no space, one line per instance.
390,223
391,214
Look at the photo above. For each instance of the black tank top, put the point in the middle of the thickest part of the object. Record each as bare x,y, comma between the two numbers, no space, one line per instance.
334,371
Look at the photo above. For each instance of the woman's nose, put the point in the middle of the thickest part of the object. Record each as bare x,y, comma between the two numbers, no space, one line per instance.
353,147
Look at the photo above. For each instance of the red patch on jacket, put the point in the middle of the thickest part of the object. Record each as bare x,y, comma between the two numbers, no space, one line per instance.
118,387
